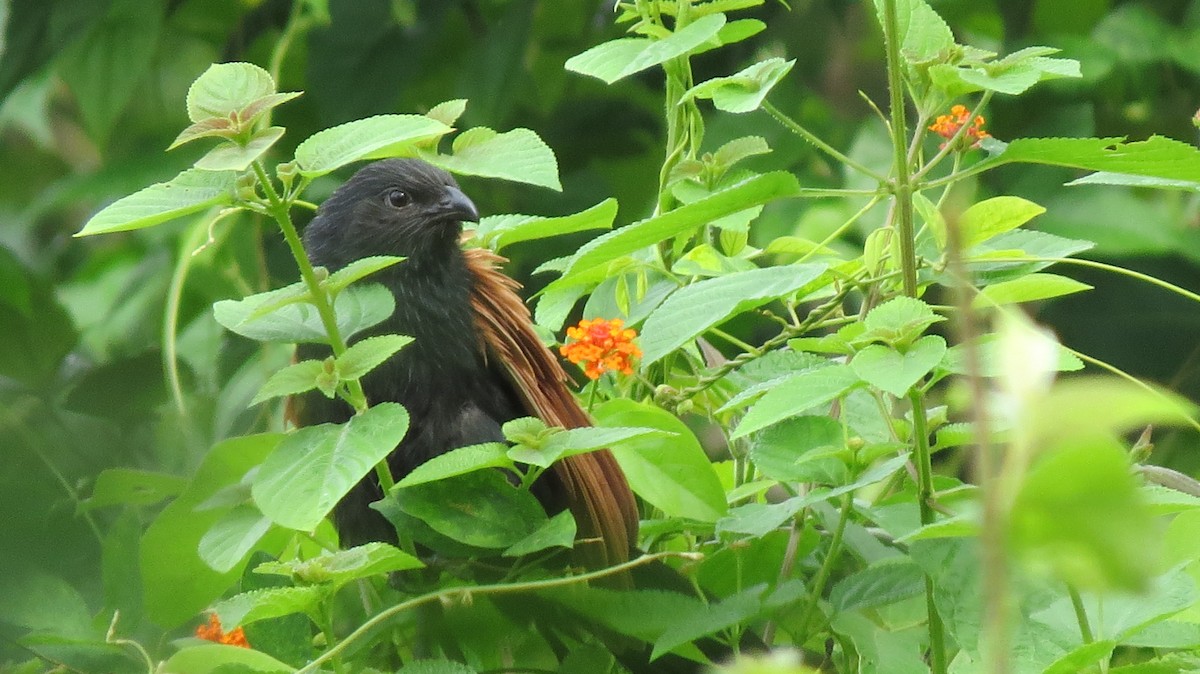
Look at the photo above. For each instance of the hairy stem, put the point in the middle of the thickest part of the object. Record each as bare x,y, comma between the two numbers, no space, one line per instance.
793,126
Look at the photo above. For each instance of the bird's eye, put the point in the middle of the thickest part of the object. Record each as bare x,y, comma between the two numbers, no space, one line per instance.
397,198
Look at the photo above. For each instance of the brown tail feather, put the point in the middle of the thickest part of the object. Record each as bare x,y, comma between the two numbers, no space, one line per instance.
595,487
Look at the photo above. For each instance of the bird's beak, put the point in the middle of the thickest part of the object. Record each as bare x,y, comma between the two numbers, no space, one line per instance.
458,206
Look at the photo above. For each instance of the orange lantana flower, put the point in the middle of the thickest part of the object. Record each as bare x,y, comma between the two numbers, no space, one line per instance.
600,345
948,125
213,632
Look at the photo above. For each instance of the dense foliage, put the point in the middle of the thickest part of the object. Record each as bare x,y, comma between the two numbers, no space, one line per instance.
902,379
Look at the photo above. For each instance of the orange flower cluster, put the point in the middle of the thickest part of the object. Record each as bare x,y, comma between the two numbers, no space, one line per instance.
600,345
213,632
948,125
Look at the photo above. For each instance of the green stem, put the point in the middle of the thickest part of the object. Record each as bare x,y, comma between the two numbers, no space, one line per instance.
924,462
459,593
1085,628
822,577
320,299
793,126
837,233
902,177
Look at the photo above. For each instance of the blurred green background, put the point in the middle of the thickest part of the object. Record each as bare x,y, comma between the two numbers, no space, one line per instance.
93,91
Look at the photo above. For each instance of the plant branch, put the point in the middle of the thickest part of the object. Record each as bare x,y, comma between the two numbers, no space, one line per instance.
793,126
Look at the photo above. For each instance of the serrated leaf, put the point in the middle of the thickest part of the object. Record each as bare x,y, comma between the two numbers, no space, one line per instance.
519,155
248,607
997,215
878,585
435,667
232,537
500,231
448,112
232,156
898,321
796,394
357,270
131,486
343,566
225,88
642,614
690,311
212,127
357,309
210,658
557,532
738,149
617,59
1157,156
890,370
924,35
365,355
192,191
479,508
370,138
608,247
783,451
1028,289
291,380
314,467
744,91
990,362
728,612
457,462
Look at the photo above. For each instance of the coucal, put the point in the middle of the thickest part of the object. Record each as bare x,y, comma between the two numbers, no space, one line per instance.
475,362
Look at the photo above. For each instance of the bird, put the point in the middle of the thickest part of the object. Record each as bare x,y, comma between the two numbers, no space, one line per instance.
475,362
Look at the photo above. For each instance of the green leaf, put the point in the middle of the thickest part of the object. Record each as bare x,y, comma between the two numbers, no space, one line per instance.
788,451
738,149
563,443
130,486
1091,406
898,322
357,270
1083,658
890,370
880,584
177,584
248,607
500,231
997,215
189,192
479,508
357,309
924,36
557,532
435,667
218,658
726,613
457,462
1028,289
448,112
519,155
225,88
365,355
314,467
370,138
105,67
671,472
641,614
796,394
608,247
293,379
1157,156
991,363
690,311
344,566
233,156
745,91
232,537
616,59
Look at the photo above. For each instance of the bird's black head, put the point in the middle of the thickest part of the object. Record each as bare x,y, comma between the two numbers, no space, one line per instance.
393,207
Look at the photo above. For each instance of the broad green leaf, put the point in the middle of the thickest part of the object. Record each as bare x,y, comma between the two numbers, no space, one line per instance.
1157,156
459,461
898,322
293,379
343,566
785,451
997,215
248,607
620,58
1125,180
758,519
990,361
217,658
519,155
642,614
1091,406
1083,658
367,354
924,36
370,138
480,508
359,269
1012,75
672,472
573,441
726,613
1028,289
226,88
608,247
878,585
314,467
38,600
232,537
189,192
690,311
557,532
745,91
435,667
448,112
738,149
500,231
131,486
796,394
890,370
177,584
1079,514
233,156
357,309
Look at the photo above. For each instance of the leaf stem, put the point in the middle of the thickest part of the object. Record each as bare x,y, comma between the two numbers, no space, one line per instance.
793,126
937,636
822,577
